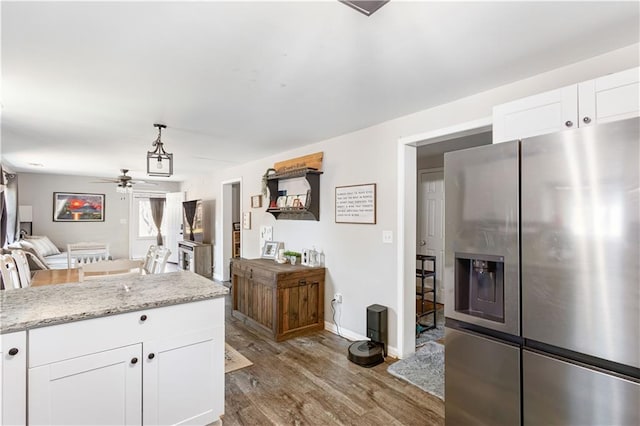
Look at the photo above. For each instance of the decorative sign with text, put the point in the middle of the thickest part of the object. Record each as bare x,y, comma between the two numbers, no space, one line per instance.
356,204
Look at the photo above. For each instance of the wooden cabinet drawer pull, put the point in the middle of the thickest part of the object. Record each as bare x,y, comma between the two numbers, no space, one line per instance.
302,282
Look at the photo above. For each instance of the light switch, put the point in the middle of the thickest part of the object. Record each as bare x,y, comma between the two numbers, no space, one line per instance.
387,237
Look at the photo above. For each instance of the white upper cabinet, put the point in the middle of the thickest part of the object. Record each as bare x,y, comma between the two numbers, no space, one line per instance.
609,98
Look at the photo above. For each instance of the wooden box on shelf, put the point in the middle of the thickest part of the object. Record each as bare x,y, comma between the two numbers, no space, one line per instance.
278,300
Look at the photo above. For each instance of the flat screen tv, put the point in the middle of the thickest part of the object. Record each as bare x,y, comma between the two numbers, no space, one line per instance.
193,223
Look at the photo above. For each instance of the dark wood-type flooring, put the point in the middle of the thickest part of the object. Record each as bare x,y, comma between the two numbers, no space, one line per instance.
309,381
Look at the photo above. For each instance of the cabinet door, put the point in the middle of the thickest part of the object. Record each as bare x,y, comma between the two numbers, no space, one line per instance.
536,115
184,378
13,379
100,388
300,305
609,98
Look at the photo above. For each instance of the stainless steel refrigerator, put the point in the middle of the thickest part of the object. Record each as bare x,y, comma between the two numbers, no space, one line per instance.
542,280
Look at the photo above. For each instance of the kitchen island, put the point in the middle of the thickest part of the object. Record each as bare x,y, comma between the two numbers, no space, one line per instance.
134,349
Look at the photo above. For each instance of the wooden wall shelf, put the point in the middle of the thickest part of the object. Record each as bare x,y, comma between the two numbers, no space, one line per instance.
312,211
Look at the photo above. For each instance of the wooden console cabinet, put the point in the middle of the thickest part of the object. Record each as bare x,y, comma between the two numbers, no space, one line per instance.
195,257
280,301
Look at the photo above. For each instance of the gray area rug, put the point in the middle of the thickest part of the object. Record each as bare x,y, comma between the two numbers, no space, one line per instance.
424,369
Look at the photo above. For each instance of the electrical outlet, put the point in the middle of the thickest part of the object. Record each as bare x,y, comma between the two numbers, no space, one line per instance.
387,237
337,297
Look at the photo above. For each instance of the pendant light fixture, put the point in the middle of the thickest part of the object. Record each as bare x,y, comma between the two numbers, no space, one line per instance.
159,162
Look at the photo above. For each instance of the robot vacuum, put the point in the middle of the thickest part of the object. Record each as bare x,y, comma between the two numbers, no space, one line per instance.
366,353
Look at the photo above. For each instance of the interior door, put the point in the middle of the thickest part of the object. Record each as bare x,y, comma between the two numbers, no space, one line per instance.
430,220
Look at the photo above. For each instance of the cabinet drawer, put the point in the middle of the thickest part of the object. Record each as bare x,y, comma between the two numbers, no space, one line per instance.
65,341
304,280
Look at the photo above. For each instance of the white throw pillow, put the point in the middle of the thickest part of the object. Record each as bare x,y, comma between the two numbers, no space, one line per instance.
29,247
43,245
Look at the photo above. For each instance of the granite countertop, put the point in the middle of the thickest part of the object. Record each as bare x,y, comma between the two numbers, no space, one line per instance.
22,309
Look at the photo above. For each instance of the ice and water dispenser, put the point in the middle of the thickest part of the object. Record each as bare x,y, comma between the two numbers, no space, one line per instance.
479,285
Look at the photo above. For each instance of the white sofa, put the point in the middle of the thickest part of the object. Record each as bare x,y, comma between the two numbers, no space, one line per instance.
48,254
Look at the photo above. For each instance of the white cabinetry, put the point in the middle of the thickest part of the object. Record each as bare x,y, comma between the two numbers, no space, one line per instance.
181,378
609,98
13,378
158,366
104,387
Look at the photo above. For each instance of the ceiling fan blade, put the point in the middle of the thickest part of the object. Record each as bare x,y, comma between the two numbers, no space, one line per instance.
106,181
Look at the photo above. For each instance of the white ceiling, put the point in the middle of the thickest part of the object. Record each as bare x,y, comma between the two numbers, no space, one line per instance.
83,82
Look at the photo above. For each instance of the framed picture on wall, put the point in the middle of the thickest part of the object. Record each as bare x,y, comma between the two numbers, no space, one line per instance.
256,201
78,207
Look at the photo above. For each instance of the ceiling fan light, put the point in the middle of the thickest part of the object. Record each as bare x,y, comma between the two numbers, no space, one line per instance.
159,168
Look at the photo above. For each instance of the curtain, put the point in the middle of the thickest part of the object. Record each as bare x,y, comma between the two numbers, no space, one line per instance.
3,212
190,213
157,211
10,220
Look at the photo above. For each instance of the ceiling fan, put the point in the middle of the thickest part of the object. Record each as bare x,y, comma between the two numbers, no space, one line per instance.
124,181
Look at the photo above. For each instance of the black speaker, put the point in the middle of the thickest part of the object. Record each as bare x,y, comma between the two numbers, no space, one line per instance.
377,329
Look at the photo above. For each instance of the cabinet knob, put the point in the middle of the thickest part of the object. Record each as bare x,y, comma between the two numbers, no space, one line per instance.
13,351
568,123
587,120
134,360
302,282
151,355
143,318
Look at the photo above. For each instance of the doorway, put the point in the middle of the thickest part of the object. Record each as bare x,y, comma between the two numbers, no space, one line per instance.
417,155
231,210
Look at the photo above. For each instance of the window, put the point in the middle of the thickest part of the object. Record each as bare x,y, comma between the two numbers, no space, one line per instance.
146,227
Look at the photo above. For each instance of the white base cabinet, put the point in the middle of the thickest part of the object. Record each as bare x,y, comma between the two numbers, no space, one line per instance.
609,98
158,366
13,378
101,388
181,379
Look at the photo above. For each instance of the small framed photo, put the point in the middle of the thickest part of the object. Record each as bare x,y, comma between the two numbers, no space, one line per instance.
256,201
270,249
281,201
290,199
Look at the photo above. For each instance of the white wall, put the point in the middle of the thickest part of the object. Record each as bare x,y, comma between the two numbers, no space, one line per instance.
37,190
359,265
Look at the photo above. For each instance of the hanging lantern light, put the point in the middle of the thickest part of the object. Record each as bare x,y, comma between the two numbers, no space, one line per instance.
159,162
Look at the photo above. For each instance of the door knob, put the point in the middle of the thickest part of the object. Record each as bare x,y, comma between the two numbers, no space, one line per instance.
422,243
